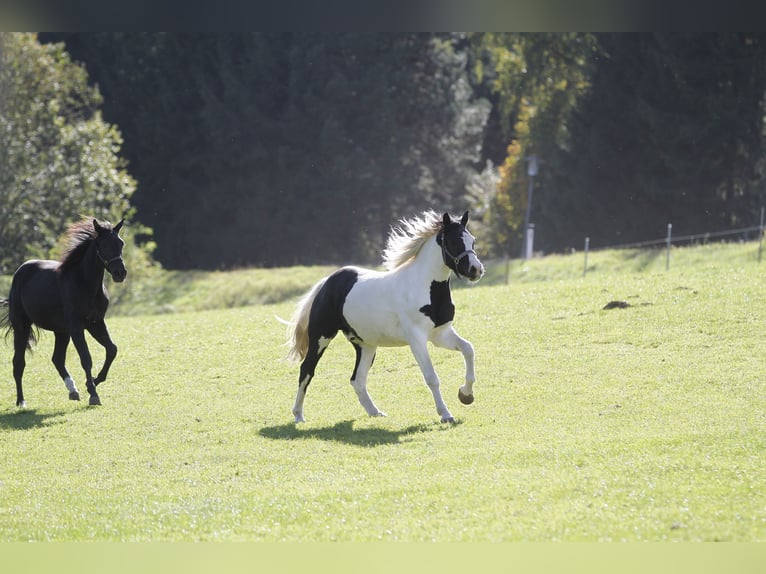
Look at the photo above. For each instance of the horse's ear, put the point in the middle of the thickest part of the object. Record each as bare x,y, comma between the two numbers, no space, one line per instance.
446,219
97,227
464,219
119,225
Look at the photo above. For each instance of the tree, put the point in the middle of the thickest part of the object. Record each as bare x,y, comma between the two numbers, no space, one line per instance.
275,149
535,83
670,132
58,158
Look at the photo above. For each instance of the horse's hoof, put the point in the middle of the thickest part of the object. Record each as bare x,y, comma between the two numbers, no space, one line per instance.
74,396
21,405
379,414
465,399
450,420
94,401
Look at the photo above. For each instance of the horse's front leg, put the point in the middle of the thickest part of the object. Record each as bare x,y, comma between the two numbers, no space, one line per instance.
100,333
78,339
448,338
420,351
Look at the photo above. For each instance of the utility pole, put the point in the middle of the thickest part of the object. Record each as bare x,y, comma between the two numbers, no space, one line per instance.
533,163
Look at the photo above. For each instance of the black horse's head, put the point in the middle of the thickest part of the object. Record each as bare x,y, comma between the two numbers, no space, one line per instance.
457,248
109,249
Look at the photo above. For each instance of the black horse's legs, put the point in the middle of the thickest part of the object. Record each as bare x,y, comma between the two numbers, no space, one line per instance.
317,346
20,342
101,334
59,361
78,339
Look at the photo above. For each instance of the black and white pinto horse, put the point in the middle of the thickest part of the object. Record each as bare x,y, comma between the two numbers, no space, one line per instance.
409,304
68,298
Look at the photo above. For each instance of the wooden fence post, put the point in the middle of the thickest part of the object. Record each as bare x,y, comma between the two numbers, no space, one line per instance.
667,258
760,237
585,265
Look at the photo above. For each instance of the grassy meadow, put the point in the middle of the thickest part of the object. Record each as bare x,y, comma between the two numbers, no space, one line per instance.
644,422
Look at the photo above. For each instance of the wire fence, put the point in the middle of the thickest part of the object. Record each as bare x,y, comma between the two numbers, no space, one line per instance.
744,233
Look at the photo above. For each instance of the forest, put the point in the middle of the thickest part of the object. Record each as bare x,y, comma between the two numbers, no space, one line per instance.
230,150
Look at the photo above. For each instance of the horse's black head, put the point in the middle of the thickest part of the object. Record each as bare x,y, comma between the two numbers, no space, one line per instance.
457,248
109,249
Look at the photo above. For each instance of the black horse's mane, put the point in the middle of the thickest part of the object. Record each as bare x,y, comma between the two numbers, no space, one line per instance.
79,235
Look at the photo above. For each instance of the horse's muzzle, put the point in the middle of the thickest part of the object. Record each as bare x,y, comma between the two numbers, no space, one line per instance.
475,273
119,274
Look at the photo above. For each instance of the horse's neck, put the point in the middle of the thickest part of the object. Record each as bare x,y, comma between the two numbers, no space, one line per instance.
429,265
91,270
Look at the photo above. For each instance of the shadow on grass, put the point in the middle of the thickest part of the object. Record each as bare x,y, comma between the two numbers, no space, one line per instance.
345,433
643,258
24,419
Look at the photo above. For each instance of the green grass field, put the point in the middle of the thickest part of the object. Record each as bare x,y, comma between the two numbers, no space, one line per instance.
645,423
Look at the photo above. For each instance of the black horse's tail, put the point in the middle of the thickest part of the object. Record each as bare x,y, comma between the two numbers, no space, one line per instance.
5,317
7,310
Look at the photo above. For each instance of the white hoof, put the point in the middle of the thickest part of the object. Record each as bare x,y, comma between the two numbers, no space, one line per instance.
379,414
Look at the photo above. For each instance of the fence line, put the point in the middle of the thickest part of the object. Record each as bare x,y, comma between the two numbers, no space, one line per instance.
682,238
669,240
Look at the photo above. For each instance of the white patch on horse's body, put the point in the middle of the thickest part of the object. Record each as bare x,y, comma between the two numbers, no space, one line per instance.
409,304
298,407
385,315
473,260
70,385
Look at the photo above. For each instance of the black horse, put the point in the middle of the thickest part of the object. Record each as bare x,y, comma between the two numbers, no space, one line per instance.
68,298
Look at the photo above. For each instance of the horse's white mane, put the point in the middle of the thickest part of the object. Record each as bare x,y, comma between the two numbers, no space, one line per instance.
407,239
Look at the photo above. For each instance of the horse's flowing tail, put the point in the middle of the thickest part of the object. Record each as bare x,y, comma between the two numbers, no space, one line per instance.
298,326
7,307
5,317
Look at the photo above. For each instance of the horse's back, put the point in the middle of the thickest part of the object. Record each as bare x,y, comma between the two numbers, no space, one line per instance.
35,295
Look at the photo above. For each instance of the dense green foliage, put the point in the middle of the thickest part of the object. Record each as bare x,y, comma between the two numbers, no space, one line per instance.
637,424
254,149
58,158
264,149
671,131
303,148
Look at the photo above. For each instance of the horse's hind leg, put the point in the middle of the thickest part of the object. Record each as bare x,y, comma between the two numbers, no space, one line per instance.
365,355
21,335
317,346
59,361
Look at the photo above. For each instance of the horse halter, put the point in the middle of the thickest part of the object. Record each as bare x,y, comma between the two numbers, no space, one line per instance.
106,262
451,257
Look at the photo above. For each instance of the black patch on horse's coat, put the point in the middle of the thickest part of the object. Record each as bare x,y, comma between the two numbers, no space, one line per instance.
441,310
358,350
326,317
